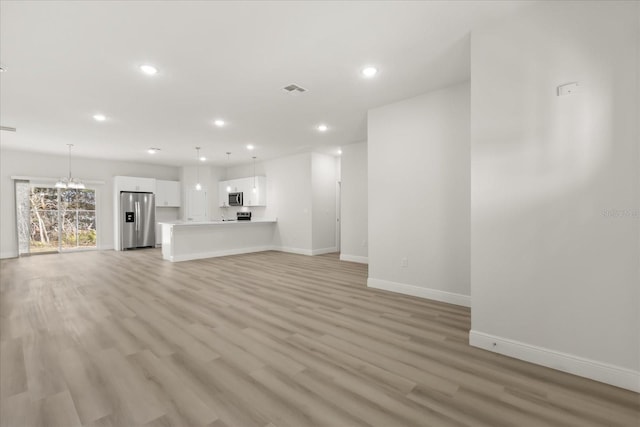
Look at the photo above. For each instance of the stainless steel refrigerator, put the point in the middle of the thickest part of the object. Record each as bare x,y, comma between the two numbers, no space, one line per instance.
137,220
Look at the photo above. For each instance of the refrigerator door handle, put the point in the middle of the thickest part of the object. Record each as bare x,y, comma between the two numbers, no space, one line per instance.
137,216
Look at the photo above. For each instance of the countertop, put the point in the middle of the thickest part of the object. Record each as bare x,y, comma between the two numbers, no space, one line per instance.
193,223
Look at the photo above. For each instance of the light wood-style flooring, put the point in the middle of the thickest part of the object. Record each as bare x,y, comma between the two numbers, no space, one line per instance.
269,339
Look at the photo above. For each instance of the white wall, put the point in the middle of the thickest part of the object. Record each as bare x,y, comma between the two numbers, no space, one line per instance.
353,204
289,199
19,163
555,276
209,178
419,195
301,194
323,215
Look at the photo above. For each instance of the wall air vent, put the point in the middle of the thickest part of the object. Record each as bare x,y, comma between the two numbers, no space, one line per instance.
7,128
294,89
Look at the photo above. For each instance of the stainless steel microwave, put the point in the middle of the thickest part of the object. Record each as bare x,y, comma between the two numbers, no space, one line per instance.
235,199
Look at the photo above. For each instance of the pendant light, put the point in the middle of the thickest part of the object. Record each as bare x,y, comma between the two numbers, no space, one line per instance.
254,174
68,181
198,186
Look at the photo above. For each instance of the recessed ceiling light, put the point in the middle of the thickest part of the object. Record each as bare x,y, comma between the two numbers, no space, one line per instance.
153,150
250,147
99,117
219,123
339,151
322,127
203,158
369,71
149,70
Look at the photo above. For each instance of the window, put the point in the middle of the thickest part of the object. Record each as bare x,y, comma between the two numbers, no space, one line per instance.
62,219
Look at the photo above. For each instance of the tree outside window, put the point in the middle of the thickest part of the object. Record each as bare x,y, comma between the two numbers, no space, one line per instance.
62,219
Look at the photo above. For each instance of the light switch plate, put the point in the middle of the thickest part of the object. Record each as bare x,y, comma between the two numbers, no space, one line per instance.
568,89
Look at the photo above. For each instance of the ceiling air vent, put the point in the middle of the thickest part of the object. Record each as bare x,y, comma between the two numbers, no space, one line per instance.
7,128
294,89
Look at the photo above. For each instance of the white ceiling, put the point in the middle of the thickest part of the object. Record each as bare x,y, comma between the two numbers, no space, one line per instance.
67,61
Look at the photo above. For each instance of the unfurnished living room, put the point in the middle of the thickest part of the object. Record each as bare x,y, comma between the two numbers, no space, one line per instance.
319,213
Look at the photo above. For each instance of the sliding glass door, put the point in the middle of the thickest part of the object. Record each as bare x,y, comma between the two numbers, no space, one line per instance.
44,215
77,218
61,219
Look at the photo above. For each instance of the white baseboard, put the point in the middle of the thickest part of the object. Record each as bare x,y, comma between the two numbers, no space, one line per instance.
300,251
12,254
354,258
215,254
290,250
417,291
592,369
324,251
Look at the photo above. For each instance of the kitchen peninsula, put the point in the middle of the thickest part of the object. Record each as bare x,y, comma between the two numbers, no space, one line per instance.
184,241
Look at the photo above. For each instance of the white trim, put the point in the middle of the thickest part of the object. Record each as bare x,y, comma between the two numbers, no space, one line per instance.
324,251
215,254
354,258
77,249
8,254
592,369
298,251
49,179
418,291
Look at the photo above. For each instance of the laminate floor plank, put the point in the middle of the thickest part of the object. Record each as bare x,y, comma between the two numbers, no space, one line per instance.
277,409
269,339
13,376
316,409
44,376
59,410
85,384
354,365
182,404
277,360
230,405
132,400
18,411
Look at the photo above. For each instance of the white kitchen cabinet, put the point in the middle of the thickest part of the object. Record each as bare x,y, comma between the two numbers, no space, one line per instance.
246,187
133,183
233,185
255,191
167,194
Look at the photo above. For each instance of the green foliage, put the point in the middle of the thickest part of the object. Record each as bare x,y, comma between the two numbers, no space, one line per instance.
70,212
87,238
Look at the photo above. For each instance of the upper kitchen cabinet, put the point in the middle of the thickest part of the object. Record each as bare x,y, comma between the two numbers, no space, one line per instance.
168,194
255,191
132,183
246,187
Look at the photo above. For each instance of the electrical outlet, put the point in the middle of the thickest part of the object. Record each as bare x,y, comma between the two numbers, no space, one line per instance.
404,262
